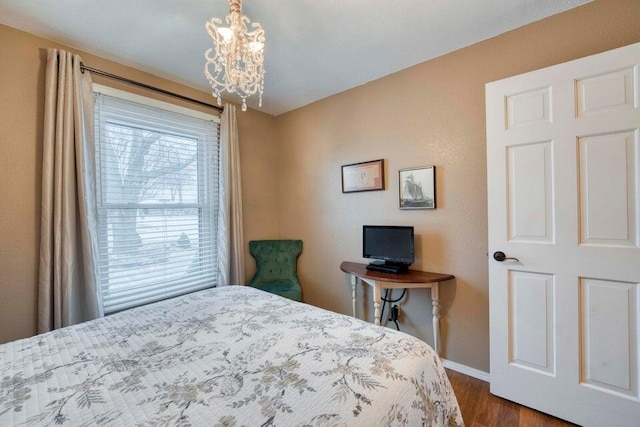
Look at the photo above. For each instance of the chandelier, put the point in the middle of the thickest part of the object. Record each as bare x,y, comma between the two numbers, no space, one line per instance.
236,62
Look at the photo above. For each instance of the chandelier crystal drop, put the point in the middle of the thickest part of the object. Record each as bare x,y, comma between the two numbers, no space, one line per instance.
235,64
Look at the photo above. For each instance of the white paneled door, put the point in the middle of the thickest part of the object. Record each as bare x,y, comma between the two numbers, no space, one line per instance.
563,160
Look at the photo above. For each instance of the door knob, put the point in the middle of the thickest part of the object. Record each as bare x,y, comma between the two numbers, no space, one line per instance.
500,256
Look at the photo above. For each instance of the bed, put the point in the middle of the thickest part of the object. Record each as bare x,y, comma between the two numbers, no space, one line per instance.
231,356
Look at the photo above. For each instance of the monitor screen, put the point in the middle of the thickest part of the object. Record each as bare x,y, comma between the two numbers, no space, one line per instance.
389,243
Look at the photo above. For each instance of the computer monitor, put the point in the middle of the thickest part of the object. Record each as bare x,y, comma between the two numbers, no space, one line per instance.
391,246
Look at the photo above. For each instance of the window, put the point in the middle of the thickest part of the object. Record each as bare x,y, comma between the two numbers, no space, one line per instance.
157,196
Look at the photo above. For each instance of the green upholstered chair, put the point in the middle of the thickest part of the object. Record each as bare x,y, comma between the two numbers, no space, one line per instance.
276,267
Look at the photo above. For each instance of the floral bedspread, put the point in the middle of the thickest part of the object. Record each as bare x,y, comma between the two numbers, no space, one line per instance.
232,356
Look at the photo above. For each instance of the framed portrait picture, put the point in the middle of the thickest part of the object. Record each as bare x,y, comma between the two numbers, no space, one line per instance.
364,176
417,188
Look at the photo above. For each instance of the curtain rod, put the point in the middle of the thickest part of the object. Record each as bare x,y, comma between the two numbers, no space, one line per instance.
146,86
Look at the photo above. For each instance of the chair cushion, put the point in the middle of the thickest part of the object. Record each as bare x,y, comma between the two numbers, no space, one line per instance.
284,289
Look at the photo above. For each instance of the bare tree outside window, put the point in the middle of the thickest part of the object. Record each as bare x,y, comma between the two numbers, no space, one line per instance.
149,167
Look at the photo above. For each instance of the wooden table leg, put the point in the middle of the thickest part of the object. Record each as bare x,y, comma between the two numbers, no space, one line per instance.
354,281
435,300
377,297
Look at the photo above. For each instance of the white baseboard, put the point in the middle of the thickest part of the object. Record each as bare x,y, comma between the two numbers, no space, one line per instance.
463,369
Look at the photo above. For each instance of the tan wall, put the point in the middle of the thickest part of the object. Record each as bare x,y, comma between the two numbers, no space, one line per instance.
432,113
21,116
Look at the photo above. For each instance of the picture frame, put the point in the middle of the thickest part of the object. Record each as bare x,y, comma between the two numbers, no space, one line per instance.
363,176
417,188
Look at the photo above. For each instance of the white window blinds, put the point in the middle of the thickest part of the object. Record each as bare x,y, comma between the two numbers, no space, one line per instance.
157,182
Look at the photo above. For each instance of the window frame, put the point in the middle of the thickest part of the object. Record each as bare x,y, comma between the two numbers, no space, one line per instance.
103,207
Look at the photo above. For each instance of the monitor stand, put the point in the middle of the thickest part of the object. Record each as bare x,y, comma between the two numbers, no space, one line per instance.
388,267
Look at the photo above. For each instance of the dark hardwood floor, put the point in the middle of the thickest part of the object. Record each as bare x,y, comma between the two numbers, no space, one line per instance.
482,409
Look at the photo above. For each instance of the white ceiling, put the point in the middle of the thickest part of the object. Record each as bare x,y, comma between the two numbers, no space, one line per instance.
314,48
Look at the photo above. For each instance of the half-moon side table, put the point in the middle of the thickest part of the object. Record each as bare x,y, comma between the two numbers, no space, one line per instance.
411,279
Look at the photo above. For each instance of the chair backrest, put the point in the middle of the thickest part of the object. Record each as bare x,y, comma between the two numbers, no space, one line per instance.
275,260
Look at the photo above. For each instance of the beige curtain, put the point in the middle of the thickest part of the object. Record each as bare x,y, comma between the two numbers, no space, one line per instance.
67,291
230,234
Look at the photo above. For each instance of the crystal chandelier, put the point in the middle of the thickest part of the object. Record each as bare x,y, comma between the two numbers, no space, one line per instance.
236,62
